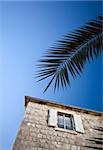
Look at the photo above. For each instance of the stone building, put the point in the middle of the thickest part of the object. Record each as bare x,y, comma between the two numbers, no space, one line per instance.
53,126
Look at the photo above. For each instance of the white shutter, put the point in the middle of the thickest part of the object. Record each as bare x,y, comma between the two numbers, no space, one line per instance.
52,118
78,123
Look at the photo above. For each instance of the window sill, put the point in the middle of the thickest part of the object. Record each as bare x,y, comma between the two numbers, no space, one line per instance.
65,130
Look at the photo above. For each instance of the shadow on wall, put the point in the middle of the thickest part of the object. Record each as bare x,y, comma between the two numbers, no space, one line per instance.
98,140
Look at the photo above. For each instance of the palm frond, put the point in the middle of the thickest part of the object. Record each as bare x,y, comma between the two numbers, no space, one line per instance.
71,54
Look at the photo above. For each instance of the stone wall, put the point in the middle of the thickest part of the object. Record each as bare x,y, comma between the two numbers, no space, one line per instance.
35,134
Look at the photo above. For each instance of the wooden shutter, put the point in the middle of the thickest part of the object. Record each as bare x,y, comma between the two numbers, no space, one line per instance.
78,123
52,118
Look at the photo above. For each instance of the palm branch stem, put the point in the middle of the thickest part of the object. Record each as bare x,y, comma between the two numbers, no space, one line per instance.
77,50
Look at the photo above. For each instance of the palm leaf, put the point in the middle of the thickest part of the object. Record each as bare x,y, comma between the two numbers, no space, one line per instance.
71,54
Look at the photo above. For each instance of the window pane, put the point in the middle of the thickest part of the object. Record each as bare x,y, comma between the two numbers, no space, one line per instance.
65,121
60,121
68,123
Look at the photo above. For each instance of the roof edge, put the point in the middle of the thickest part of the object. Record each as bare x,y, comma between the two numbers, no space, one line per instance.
56,104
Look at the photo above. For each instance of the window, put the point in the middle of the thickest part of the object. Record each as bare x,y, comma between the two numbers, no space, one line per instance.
65,121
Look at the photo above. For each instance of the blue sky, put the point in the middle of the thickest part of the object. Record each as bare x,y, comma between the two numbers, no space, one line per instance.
27,30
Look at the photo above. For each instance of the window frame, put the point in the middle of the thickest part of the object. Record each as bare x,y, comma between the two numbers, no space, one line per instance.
64,115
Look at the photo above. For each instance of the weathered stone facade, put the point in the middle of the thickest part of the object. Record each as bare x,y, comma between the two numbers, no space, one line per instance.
35,134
